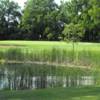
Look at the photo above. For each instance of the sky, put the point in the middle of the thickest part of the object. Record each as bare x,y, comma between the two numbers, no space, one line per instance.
21,2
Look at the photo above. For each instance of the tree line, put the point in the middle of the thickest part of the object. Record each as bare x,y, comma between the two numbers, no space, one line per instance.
77,20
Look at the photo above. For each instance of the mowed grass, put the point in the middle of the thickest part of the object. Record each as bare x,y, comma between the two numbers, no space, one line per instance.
48,45
85,93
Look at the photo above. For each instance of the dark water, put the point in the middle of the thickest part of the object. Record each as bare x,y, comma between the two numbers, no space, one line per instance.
34,76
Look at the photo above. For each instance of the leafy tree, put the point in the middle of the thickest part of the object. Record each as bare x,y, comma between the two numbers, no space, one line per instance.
86,13
9,19
73,33
40,20
92,28
45,20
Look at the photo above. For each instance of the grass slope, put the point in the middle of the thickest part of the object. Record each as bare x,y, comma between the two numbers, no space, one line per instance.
90,93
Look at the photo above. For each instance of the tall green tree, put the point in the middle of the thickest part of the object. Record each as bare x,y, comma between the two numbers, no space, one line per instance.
10,15
40,20
92,21
86,13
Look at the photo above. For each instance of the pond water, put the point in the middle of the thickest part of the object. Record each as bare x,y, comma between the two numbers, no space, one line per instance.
35,76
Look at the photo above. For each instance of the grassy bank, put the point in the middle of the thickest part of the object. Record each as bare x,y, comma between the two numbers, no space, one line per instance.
90,93
84,54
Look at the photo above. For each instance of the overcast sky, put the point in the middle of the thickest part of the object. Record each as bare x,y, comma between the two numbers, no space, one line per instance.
21,2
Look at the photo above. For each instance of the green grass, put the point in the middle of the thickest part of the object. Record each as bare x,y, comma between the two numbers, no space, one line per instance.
85,54
85,93
48,45
62,52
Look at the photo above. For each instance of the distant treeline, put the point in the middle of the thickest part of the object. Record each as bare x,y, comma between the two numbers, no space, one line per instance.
73,20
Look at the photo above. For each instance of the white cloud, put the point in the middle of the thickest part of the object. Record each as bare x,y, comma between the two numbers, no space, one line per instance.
58,1
21,2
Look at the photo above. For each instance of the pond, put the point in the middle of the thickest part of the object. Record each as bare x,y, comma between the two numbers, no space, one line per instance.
35,76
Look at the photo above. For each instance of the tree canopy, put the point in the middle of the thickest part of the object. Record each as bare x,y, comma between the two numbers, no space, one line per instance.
10,15
45,20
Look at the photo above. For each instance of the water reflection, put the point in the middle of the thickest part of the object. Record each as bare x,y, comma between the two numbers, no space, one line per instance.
34,76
